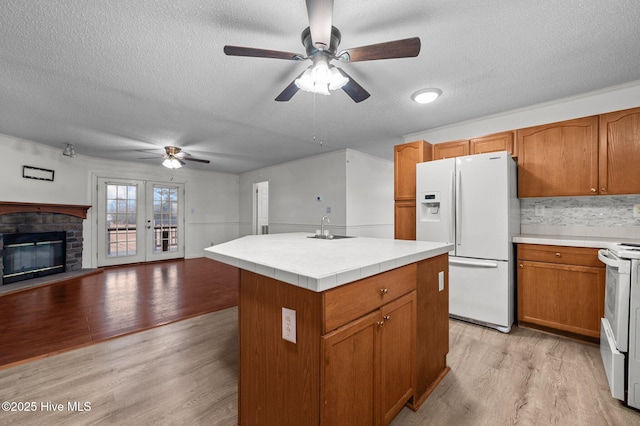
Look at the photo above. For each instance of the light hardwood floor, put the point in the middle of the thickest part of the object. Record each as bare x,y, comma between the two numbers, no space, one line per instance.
185,373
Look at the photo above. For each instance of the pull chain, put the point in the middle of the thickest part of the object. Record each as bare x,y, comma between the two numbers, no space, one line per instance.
314,120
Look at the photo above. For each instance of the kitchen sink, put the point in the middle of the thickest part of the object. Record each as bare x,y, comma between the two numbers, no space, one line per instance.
330,237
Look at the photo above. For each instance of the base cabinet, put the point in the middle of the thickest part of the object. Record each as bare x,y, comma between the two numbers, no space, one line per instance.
356,360
367,373
561,288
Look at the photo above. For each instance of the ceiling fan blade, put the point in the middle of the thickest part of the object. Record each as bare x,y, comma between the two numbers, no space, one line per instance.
261,53
197,160
353,89
406,48
289,91
320,20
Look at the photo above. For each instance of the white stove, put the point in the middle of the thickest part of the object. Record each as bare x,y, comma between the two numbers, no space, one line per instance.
620,327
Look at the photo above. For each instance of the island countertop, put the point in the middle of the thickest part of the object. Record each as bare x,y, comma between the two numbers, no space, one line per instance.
318,264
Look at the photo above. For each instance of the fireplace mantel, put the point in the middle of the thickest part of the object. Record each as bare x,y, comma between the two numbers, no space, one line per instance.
8,207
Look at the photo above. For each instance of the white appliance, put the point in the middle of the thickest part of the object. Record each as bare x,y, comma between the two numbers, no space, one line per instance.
471,201
620,327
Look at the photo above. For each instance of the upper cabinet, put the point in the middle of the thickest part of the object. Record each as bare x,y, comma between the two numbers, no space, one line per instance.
406,156
558,159
496,142
450,149
620,152
502,141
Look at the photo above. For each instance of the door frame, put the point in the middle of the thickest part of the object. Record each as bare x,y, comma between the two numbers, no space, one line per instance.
145,216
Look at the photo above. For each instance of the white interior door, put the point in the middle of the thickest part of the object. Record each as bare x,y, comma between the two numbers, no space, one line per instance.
261,208
139,221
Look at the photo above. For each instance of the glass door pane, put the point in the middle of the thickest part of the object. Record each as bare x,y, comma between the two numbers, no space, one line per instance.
122,231
165,219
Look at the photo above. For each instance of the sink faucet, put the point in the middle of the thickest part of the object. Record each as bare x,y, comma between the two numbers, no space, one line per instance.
322,225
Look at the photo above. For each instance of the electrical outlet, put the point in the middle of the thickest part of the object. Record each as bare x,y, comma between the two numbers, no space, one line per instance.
289,324
636,210
539,210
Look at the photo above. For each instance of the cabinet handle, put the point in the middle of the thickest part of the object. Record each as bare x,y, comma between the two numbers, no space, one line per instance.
384,291
594,190
386,317
521,266
558,255
603,189
380,323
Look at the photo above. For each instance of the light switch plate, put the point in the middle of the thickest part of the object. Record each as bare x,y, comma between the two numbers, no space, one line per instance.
636,210
440,280
289,324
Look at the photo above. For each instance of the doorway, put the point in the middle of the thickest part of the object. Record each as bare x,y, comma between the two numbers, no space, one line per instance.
139,221
261,208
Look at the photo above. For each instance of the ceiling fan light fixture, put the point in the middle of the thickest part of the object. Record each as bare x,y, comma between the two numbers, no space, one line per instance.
321,78
426,96
172,162
69,151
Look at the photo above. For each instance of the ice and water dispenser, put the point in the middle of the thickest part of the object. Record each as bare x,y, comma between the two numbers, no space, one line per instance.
430,206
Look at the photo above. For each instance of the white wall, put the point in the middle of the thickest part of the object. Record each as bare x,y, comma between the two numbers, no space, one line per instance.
211,199
358,188
592,103
369,196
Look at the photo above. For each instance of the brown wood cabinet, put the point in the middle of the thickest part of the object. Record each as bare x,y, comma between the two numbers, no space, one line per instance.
503,141
561,288
450,149
558,159
406,156
405,220
367,370
364,350
620,152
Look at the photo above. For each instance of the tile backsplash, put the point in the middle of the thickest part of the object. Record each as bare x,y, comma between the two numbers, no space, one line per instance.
601,216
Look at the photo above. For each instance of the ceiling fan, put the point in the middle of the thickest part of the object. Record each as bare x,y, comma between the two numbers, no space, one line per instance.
174,158
321,40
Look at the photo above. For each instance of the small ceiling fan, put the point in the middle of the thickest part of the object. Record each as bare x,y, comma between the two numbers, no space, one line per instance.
321,40
174,158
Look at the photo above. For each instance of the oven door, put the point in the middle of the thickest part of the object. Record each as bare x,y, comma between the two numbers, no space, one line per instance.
616,298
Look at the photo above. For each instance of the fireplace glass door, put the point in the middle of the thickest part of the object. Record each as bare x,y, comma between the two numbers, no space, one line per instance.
139,221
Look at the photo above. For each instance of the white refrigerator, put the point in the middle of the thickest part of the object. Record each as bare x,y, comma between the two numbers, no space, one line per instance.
471,201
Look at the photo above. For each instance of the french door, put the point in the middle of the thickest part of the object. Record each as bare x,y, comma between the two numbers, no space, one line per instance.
139,221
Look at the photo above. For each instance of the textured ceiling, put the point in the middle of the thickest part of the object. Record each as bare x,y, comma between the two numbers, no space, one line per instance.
119,77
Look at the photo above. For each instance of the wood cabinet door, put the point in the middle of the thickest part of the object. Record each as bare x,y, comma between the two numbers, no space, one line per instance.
406,156
405,220
349,374
558,159
397,349
563,297
620,152
492,143
450,149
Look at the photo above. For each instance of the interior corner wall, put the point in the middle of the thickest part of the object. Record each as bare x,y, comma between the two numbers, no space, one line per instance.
211,198
369,189
294,188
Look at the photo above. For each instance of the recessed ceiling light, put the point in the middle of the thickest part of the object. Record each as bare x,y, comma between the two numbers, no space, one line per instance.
426,96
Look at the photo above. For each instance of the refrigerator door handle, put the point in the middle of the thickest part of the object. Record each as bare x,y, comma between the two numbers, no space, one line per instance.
452,205
473,262
459,209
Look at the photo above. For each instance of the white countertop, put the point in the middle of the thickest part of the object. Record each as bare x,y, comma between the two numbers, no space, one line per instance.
564,240
318,264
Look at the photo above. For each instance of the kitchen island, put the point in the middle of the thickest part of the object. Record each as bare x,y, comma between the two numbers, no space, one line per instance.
343,331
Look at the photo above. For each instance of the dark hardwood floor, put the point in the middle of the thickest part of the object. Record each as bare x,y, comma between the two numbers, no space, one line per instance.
54,318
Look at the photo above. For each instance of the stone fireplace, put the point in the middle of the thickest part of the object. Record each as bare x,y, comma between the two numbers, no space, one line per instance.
28,219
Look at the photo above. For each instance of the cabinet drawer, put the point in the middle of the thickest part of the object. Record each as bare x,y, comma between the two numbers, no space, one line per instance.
350,301
581,256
